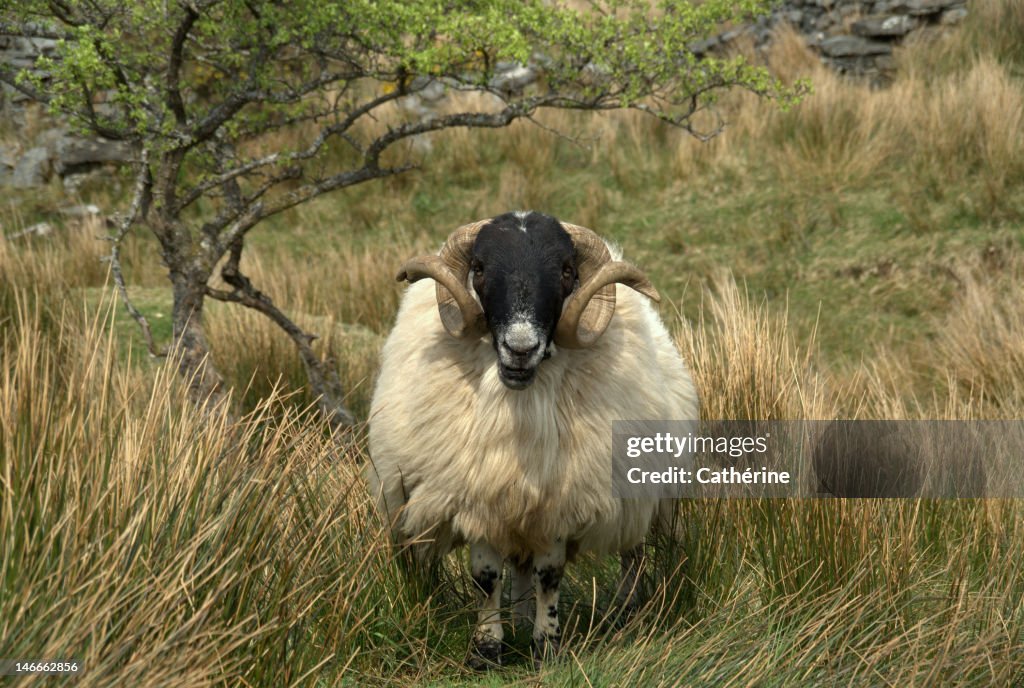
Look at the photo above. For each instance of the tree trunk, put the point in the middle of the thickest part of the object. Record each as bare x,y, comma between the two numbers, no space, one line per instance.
189,343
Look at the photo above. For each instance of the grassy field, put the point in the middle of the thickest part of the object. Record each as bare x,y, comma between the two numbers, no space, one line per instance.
859,256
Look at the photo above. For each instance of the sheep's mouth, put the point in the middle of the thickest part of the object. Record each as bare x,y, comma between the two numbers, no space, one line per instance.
516,378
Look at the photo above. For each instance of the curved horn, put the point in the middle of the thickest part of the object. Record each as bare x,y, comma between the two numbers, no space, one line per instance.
460,312
590,308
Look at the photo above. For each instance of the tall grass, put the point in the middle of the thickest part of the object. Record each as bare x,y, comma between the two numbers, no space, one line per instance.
346,297
983,342
164,545
745,363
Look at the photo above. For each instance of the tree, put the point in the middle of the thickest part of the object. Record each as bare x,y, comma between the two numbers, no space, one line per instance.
198,88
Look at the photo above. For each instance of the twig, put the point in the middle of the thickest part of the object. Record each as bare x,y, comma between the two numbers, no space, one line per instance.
124,224
323,378
582,142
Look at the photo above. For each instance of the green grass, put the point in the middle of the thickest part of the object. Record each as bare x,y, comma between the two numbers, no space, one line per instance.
878,278
852,264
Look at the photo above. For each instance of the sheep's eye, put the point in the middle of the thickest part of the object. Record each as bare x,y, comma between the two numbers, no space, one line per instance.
568,280
478,269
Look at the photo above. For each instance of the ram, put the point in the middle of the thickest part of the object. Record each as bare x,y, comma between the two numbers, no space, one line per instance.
491,420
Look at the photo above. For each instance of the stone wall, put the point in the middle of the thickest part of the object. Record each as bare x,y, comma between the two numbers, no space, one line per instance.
854,37
35,148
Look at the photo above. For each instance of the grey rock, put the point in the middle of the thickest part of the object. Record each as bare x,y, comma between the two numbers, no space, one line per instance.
853,46
38,229
860,66
32,169
80,211
733,34
514,78
49,138
21,61
38,46
413,105
107,108
75,154
885,63
428,88
8,156
705,46
953,16
73,182
925,7
541,61
885,25
434,92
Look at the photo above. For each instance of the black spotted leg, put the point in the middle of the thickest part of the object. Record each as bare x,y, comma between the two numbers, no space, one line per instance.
547,576
486,564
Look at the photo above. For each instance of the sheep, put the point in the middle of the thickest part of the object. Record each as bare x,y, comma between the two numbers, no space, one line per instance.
491,424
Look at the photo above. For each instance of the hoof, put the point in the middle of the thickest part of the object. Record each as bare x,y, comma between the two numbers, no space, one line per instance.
544,649
485,654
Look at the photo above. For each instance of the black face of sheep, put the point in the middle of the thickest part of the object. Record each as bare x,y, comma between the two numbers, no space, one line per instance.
523,267
527,280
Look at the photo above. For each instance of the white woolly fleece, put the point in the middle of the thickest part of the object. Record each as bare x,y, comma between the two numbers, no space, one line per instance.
458,457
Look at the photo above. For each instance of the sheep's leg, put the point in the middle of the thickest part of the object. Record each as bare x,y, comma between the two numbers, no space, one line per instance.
631,567
486,566
522,592
547,576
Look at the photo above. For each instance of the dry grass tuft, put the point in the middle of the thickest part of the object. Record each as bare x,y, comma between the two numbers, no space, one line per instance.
982,343
745,364
204,548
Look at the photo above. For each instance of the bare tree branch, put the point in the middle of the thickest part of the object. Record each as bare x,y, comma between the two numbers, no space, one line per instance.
485,120
174,101
256,212
259,212
124,224
339,129
251,93
323,378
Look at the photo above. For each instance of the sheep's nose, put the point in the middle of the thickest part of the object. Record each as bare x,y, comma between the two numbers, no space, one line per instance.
522,349
522,339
